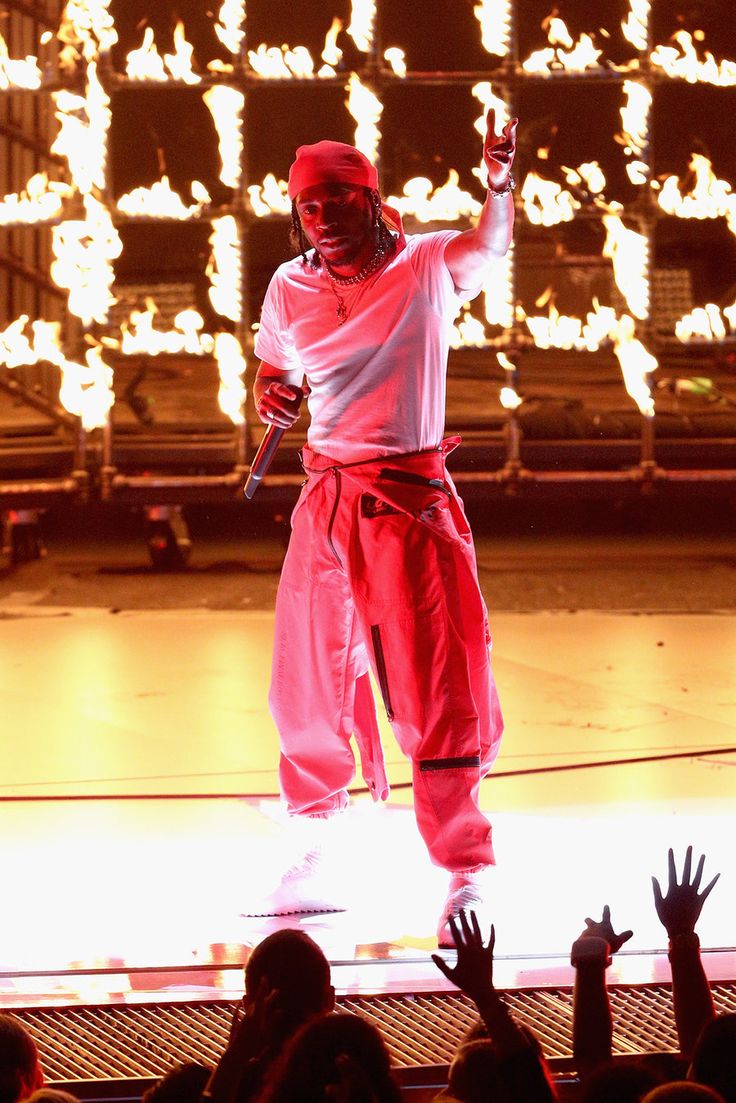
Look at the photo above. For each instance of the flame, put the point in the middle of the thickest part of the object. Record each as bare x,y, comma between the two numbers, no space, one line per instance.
635,117
86,30
636,364
563,331
179,63
447,203
224,268
16,350
230,25
706,322
589,174
84,251
270,197
284,64
467,332
41,200
484,92
636,24
397,60
85,392
18,74
146,63
161,201
708,197
226,104
686,64
577,58
331,52
362,24
509,398
629,253
498,290
546,203
231,365
140,336
83,125
494,17
365,107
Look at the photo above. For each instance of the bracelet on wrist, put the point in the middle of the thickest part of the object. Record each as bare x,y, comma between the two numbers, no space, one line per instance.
510,186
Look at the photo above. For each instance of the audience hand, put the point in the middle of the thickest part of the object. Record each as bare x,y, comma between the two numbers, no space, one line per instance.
603,929
680,909
473,973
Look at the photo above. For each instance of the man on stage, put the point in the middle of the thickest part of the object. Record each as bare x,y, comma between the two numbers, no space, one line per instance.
380,574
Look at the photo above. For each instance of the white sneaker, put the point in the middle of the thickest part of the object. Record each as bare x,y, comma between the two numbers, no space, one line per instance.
464,894
303,890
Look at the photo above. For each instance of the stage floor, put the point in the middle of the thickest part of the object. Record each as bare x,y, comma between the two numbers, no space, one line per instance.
139,817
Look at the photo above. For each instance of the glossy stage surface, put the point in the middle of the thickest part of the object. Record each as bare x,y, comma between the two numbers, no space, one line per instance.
139,820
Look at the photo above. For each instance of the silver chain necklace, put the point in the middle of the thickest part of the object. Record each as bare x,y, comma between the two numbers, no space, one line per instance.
371,266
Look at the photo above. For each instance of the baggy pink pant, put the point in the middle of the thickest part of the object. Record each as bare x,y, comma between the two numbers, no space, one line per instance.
380,574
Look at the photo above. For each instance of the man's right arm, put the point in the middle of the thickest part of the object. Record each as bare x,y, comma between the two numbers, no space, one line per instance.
277,395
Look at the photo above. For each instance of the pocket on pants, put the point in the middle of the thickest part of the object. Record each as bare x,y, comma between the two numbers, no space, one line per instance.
381,669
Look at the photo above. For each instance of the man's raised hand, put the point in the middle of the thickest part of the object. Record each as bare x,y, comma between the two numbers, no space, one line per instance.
680,908
499,151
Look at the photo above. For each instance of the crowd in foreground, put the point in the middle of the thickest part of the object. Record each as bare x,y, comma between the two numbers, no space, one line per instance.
288,1046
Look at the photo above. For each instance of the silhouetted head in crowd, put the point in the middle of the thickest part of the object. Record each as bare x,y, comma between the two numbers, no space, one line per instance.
182,1084
620,1083
683,1091
339,1058
52,1095
20,1071
714,1059
291,963
474,1075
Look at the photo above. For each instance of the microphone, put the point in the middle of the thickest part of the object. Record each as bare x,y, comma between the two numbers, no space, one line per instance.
262,459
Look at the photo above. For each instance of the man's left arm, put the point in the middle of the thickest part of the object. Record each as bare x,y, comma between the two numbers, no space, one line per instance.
469,255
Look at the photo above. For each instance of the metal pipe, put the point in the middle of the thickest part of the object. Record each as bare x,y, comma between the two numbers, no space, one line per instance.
36,401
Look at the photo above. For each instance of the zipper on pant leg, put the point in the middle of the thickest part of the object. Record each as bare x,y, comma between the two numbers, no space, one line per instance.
381,669
338,486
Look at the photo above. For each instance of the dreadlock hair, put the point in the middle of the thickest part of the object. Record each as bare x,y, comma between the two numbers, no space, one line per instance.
301,244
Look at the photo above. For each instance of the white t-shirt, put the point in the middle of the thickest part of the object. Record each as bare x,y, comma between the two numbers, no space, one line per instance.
377,382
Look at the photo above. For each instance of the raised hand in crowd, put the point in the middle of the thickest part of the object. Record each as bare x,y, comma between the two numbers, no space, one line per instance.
679,910
521,1065
592,1028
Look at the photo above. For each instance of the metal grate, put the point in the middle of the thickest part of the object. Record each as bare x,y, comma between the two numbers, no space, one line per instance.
139,1042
